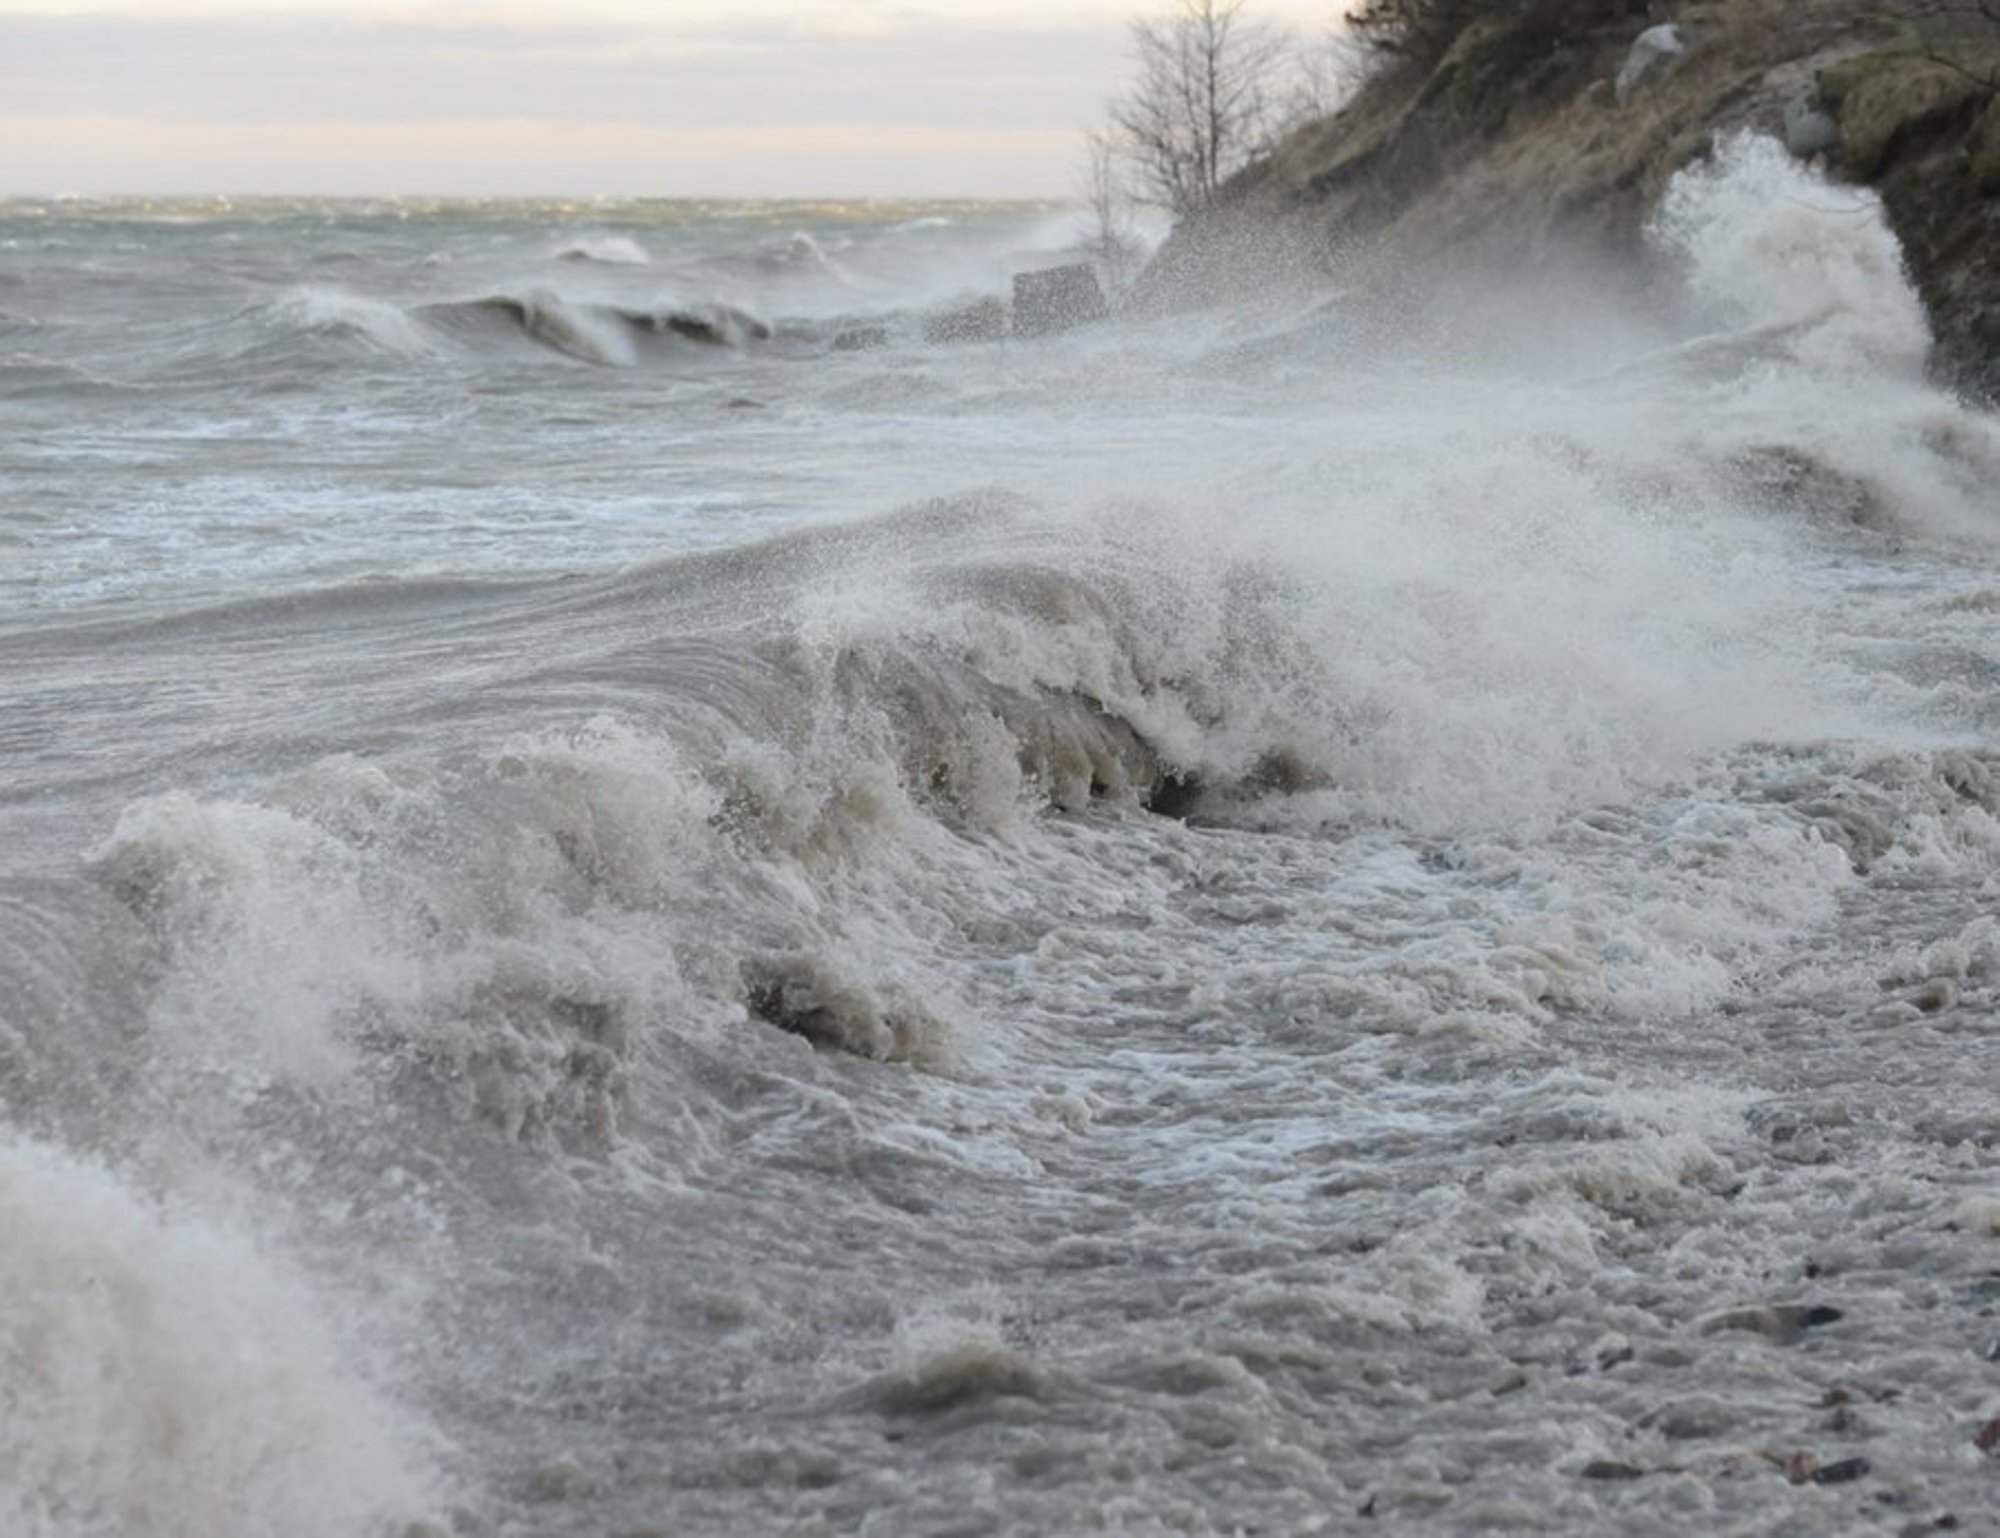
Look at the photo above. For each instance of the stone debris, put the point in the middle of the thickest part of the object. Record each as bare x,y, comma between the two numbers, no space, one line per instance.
983,320
1808,130
1057,299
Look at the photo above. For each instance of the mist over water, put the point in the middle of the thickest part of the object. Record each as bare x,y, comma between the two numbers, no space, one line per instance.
637,896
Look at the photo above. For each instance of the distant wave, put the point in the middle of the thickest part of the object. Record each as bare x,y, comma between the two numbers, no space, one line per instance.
320,311
23,376
611,335
799,261
612,250
800,253
606,334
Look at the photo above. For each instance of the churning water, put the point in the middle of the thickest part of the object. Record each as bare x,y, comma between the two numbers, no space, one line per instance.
638,895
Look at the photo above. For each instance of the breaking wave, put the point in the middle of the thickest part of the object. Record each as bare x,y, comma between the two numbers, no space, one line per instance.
603,333
1276,886
334,313
165,1376
1770,248
611,250
612,335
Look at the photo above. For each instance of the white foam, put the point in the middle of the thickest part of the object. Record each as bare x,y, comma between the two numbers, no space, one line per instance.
580,330
1769,242
327,311
164,1376
1513,702
276,938
612,250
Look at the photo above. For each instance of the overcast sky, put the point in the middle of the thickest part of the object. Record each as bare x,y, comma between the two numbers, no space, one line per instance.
664,97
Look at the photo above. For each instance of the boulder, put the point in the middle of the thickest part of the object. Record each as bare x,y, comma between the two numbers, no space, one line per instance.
1893,97
1809,131
861,339
1982,150
984,320
1057,299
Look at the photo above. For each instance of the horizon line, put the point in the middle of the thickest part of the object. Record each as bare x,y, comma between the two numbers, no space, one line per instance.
546,196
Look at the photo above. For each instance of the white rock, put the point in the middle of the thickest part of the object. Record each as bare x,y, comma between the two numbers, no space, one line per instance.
1978,1215
1808,131
1653,54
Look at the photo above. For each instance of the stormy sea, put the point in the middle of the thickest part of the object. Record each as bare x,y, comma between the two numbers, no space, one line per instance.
653,880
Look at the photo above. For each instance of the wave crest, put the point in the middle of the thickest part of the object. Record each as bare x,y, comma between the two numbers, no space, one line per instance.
163,1376
1771,245
609,335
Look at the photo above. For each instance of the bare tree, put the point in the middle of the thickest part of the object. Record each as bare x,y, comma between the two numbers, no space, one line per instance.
1114,244
1206,102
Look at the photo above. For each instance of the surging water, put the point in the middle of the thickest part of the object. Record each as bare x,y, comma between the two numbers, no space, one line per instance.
635,899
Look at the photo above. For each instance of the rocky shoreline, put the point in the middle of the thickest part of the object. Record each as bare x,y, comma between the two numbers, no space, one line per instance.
1532,137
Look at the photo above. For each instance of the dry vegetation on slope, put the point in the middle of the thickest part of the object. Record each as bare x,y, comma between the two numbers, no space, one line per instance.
1496,139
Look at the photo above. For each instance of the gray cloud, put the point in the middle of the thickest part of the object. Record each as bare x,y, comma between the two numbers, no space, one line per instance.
931,72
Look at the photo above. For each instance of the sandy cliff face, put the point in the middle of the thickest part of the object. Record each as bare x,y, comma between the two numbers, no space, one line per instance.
1514,147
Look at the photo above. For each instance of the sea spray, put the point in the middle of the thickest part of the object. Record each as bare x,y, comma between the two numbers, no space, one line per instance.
165,1374
1769,243
1145,931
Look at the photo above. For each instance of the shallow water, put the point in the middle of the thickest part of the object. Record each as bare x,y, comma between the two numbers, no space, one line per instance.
633,900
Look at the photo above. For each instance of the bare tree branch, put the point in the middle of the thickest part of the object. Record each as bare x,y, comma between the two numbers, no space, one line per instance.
1206,102
1114,245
